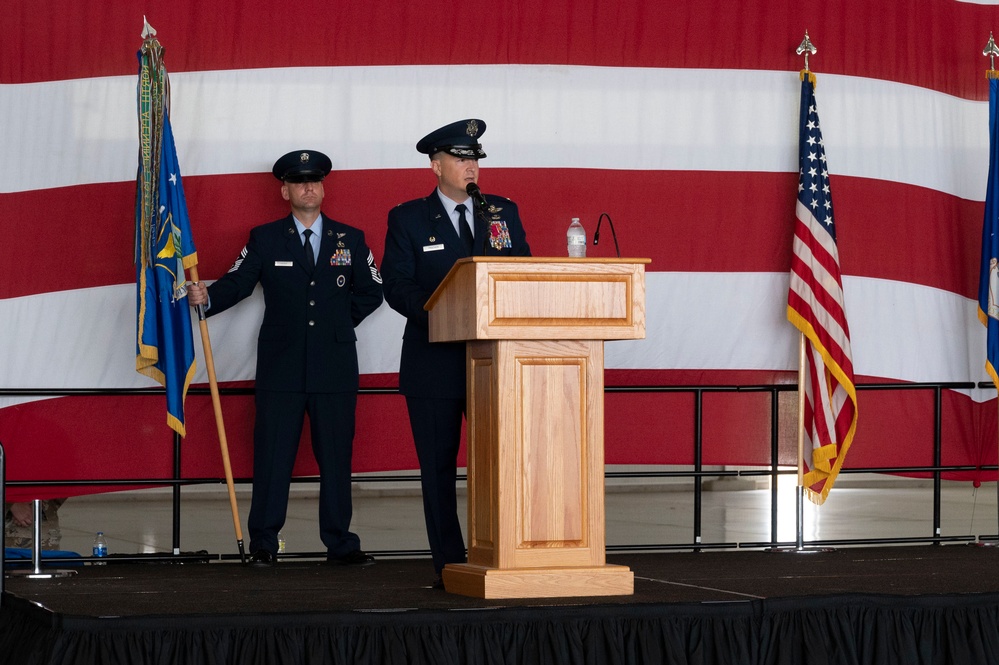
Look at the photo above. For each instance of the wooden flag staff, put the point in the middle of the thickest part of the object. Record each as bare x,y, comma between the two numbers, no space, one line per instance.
213,386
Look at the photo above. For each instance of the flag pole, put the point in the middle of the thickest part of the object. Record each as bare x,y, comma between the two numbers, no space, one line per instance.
991,50
213,386
806,48
806,350
799,492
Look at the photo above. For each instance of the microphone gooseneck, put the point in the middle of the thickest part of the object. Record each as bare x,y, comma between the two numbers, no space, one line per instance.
596,234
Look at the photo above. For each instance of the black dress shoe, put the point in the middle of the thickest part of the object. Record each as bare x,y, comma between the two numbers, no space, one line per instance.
355,558
438,583
262,559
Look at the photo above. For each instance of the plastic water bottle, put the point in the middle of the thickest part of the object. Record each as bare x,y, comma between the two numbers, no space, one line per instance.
575,239
100,547
282,545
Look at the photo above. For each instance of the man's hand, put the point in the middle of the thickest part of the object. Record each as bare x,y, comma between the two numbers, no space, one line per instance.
197,294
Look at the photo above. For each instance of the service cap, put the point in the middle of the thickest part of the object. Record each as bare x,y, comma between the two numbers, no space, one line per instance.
460,139
302,166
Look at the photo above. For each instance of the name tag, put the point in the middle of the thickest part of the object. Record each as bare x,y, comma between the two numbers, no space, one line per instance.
433,248
284,264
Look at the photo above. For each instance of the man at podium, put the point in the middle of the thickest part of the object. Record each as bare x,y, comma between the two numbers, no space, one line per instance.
424,239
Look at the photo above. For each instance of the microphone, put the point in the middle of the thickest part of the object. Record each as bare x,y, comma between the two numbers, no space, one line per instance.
473,190
596,234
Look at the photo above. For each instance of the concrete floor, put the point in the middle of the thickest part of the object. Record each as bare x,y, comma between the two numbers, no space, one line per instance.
389,516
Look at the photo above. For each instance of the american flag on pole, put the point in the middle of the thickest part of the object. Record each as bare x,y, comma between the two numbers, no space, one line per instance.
816,308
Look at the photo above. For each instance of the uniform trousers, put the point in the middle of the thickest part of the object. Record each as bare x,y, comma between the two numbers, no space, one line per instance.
436,425
277,431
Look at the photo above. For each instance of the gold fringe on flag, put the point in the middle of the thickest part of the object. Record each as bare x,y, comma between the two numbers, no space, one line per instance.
153,102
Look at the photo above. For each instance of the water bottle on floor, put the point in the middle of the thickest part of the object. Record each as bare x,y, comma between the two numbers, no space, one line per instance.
100,547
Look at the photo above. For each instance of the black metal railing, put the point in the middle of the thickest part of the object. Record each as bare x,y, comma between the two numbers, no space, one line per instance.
696,473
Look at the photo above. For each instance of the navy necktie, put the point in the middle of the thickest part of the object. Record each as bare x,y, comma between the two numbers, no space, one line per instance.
464,230
310,255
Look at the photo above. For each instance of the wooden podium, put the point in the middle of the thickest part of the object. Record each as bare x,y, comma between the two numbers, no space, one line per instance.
535,329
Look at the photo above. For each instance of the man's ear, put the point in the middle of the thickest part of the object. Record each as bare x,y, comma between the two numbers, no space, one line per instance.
284,192
435,164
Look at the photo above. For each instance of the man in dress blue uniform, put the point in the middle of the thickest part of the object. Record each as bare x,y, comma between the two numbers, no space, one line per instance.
424,239
319,281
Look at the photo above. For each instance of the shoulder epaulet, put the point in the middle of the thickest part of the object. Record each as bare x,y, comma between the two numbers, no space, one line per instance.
406,204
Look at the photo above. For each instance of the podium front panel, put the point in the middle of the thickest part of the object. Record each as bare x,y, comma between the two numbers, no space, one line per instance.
535,453
550,457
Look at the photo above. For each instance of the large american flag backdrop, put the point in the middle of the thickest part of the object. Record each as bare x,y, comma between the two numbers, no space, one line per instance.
677,119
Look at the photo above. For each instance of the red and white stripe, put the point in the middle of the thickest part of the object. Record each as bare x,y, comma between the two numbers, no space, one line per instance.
677,119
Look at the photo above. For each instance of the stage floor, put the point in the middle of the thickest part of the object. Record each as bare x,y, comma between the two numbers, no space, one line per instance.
401,585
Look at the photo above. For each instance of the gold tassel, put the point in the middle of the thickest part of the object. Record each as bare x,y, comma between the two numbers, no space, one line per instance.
992,74
810,75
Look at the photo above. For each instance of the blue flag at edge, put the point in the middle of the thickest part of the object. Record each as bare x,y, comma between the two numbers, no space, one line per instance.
165,343
988,283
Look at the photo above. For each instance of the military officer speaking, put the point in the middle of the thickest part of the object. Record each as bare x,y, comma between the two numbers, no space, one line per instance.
319,281
424,239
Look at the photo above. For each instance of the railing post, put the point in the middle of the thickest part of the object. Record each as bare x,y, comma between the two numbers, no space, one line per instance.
176,493
698,464
937,458
774,464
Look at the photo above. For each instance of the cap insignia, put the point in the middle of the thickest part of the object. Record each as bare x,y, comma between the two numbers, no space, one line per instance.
472,129
304,158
